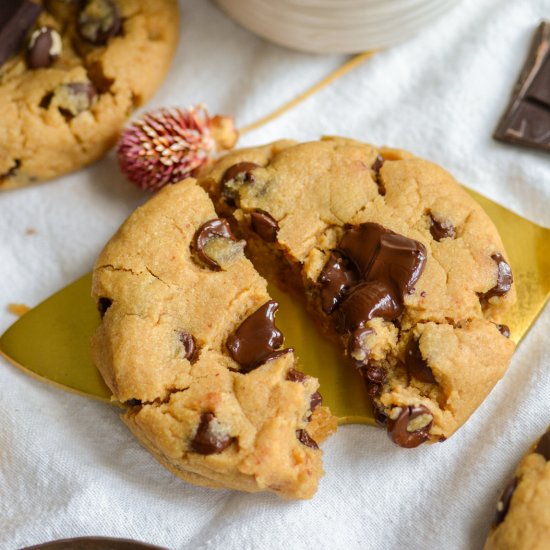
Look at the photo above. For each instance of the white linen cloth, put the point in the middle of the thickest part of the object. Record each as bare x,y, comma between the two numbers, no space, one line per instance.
69,467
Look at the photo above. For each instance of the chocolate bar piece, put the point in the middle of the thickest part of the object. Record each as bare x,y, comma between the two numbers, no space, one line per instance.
16,19
527,118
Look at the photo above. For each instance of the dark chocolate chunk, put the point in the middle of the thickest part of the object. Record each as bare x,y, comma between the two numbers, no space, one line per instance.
504,278
357,346
336,278
242,171
543,446
376,169
382,255
305,439
441,229
380,416
16,20
315,401
411,427
366,301
103,304
416,364
44,48
504,330
257,338
503,504
98,20
217,228
373,389
264,225
208,441
527,118
294,375
189,347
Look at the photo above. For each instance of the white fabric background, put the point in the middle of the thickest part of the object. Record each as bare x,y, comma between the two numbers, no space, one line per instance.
69,467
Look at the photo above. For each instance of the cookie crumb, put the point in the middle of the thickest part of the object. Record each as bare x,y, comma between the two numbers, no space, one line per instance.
18,309
30,231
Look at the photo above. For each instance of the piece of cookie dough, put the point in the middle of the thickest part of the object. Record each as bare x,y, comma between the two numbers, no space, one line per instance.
189,344
395,260
522,519
73,77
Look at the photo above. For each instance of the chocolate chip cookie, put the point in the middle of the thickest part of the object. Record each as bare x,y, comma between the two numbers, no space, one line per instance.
71,72
394,260
189,344
522,519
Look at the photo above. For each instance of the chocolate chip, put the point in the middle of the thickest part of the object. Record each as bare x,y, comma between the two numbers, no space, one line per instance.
336,278
74,98
380,416
103,304
543,446
133,403
97,21
16,20
189,347
504,330
240,173
504,278
214,229
44,48
256,339
294,375
375,374
12,171
376,169
305,439
373,389
441,229
357,345
411,427
315,401
264,225
416,364
503,504
209,440
366,301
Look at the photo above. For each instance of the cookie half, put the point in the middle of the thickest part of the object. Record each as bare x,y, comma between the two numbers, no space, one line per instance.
393,259
77,74
522,519
188,343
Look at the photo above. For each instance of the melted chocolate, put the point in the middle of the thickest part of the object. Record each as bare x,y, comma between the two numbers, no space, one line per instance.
206,442
242,171
504,278
189,347
441,229
543,446
315,401
98,20
257,338
294,375
217,228
264,225
306,439
416,364
378,163
40,51
375,374
400,435
366,301
337,277
504,501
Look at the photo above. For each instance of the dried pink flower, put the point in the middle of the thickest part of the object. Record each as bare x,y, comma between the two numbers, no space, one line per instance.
168,145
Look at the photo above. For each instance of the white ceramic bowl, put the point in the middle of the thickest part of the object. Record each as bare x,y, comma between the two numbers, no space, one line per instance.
335,26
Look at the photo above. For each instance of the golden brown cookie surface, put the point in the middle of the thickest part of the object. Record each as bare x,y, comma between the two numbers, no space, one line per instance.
83,69
396,261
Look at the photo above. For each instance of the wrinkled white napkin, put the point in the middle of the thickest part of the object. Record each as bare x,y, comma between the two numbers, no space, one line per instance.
69,467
